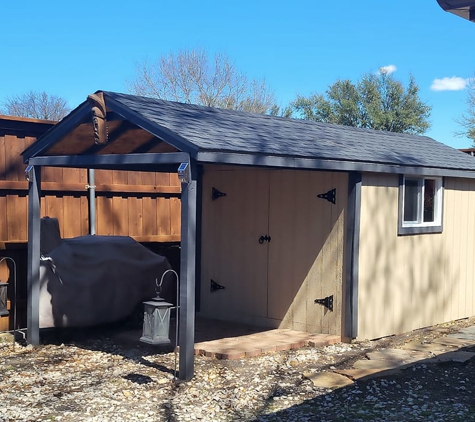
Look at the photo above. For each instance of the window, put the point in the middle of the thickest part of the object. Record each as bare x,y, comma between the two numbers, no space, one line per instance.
420,205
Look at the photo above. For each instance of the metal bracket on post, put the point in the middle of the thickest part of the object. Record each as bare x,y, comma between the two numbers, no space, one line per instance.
330,196
327,302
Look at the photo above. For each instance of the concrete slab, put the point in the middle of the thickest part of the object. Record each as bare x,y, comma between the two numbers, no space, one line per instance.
328,379
368,374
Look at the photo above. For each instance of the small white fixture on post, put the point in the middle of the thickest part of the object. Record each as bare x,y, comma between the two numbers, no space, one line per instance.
184,173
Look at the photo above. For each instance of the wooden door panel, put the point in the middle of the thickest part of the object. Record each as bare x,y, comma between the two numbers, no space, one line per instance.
232,255
305,255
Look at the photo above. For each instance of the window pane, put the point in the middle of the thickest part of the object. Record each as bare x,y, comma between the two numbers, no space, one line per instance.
411,188
429,200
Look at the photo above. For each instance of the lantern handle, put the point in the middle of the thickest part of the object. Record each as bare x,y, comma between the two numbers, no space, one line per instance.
158,286
177,306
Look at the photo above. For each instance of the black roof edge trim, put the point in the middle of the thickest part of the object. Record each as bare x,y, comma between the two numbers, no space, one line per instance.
161,132
58,131
325,164
110,160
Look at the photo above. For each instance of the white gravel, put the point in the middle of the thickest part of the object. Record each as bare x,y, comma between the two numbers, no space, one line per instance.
98,380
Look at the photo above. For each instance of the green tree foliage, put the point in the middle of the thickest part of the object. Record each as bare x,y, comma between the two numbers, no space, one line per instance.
374,102
467,120
192,76
36,105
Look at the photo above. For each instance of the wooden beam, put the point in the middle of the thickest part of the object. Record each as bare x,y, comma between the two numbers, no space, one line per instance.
160,238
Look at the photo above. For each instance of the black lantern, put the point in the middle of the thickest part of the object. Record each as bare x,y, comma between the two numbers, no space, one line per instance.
156,323
3,299
156,319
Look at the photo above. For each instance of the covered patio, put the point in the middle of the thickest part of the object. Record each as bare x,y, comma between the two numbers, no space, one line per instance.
103,134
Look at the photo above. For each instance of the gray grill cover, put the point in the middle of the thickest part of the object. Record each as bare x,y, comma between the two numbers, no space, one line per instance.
92,280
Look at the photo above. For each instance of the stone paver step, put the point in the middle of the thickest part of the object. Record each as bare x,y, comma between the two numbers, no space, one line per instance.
453,341
388,362
367,374
433,348
328,379
458,356
258,343
376,364
398,356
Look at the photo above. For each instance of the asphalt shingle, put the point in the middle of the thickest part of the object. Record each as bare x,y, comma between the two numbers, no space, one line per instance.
218,130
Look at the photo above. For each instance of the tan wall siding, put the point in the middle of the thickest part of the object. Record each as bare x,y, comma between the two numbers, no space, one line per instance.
409,282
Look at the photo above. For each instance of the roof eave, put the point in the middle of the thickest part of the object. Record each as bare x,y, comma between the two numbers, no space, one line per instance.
462,8
71,121
210,157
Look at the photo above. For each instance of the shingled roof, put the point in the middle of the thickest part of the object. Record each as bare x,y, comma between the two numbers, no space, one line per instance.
215,135
212,129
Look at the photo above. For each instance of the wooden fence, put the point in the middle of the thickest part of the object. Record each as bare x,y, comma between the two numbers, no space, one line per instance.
143,205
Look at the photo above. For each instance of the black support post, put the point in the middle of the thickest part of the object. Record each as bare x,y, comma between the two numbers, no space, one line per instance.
352,255
34,196
187,277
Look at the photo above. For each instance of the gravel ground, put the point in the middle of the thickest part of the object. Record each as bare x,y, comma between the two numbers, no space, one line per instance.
95,379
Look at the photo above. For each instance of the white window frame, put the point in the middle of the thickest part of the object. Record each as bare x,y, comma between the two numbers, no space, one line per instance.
420,226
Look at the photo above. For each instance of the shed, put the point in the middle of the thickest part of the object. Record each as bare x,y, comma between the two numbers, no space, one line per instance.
289,223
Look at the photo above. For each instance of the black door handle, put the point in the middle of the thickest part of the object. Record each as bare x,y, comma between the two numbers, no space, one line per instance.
263,239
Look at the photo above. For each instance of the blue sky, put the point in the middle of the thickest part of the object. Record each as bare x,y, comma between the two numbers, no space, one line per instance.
72,49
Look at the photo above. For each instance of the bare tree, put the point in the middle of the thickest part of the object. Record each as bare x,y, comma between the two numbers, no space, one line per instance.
36,105
191,76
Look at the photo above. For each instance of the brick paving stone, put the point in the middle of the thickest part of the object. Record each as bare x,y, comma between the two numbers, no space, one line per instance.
231,355
282,346
253,353
263,342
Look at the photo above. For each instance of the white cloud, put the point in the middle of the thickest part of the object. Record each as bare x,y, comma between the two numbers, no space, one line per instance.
449,84
387,70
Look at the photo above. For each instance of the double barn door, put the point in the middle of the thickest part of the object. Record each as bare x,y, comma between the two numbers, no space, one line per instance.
271,246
